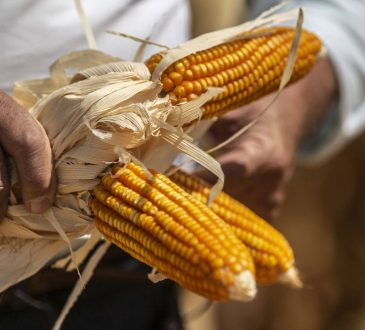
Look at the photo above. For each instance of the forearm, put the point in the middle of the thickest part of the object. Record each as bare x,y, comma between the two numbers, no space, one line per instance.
301,106
340,26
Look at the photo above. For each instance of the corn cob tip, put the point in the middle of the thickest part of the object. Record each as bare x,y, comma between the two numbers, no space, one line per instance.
244,287
269,249
291,277
155,276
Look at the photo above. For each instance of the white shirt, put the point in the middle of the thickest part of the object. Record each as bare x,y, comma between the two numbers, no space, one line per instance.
34,33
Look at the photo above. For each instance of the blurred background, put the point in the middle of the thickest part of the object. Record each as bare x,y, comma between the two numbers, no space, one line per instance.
323,218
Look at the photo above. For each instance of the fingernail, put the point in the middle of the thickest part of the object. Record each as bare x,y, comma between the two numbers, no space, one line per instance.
39,204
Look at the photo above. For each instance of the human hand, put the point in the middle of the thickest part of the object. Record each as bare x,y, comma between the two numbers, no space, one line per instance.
259,164
25,141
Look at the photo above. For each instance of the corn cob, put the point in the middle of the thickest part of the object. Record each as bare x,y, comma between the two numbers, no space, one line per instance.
246,69
272,254
161,225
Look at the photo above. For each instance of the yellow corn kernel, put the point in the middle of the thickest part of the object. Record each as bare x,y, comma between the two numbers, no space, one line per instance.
160,224
262,59
272,254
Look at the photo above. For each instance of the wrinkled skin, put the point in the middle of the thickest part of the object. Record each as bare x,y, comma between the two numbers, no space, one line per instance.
24,142
258,165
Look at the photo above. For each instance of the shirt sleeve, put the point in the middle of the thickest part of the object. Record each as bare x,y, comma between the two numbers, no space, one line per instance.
340,25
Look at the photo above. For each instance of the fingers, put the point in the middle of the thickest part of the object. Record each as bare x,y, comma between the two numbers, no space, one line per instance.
254,176
23,138
255,179
238,165
4,186
264,194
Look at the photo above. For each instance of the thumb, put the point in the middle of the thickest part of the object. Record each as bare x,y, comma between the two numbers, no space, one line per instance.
23,138
244,158
236,162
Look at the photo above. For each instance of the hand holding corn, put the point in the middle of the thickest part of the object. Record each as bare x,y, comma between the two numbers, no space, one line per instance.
214,251
259,164
222,251
174,231
26,142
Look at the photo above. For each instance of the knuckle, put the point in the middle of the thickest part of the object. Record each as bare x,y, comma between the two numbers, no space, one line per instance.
280,163
34,143
235,167
21,132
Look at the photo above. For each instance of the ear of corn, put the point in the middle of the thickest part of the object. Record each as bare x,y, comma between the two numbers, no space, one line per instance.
163,226
272,254
247,69
172,229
